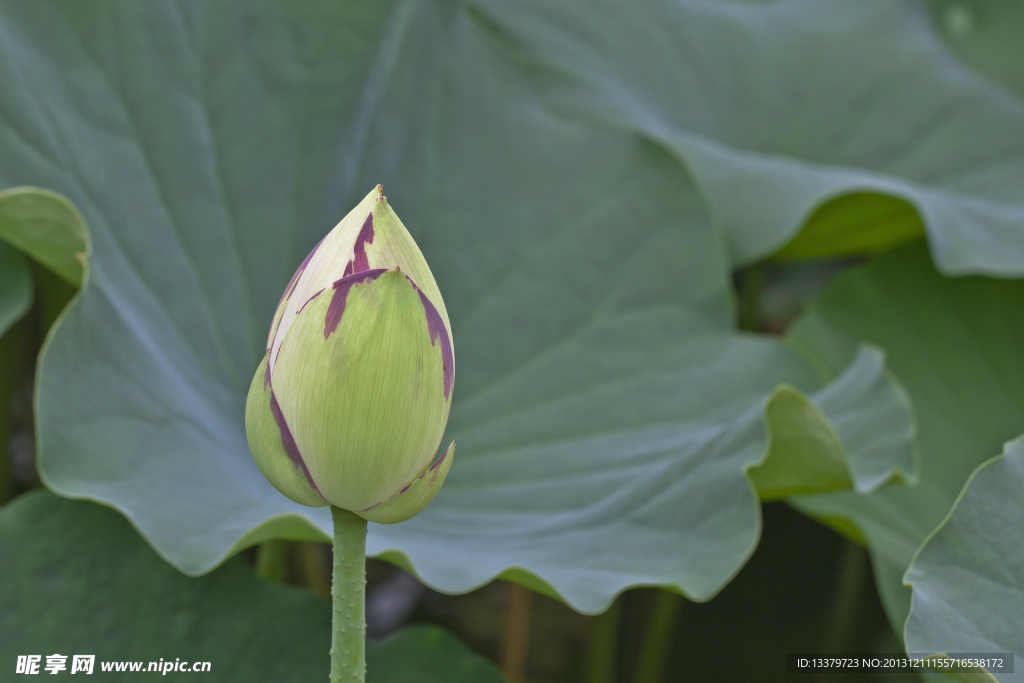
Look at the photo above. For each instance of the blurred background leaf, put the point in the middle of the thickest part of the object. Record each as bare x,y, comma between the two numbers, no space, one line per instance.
858,432
777,108
46,227
15,300
43,246
75,578
968,577
953,343
582,179
986,34
605,409
15,286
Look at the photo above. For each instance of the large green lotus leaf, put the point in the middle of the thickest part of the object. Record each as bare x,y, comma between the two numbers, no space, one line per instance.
954,344
15,286
968,577
628,481
75,578
426,654
604,409
779,107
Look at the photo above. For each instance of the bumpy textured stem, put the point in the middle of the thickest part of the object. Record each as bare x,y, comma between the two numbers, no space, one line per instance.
348,592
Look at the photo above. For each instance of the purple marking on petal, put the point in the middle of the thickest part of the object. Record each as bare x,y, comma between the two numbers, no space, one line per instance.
310,299
341,288
433,468
266,376
288,441
360,261
440,460
298,273
435,325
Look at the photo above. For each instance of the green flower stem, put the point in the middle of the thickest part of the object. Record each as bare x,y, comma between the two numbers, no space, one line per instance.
654,652
348,592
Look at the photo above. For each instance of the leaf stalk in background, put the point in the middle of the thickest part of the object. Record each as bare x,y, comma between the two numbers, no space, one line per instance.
602,657
312,568
9,368
515,646
17,350
751,281
272,560
654,653
849,596
348,594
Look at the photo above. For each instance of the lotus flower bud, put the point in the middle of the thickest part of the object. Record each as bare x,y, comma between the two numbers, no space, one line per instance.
351,400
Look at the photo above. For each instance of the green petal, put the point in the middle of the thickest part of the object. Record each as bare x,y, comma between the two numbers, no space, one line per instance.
394,247
321,267
362,385
410,500
267,446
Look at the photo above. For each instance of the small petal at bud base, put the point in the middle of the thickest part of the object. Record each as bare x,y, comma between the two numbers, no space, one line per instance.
408,501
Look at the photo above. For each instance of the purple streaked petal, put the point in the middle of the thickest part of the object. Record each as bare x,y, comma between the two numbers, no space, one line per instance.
435,325
298,273
437,463
288,441
341,288
310,299
360,261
